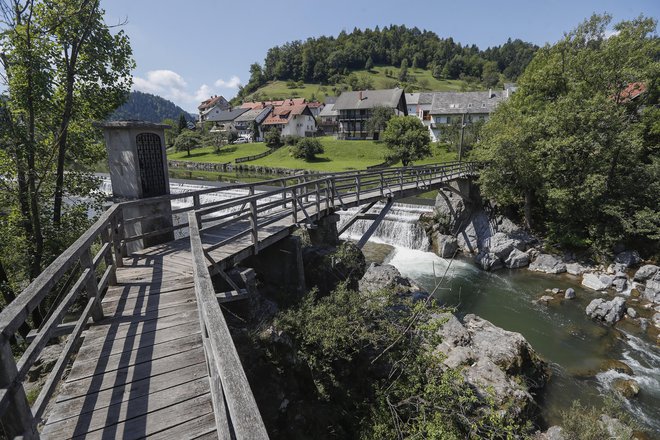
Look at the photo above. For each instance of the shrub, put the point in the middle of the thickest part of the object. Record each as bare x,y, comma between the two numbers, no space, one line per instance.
307,149
290,139
272,139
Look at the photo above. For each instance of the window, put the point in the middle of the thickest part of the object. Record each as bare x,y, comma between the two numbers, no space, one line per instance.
483,105
470,105
453,105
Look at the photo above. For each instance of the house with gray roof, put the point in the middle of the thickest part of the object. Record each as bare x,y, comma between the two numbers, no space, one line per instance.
244,123
355,110
462,107
223,121
329,119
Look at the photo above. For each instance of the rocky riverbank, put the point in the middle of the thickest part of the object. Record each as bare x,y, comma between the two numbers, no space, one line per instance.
460,224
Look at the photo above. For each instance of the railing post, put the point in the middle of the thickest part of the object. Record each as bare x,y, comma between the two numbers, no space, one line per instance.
121,233
318,199
357,188
254,225
109,261
87,262
17,420
401,179
196,206
294,207
382,184
116,239
284,192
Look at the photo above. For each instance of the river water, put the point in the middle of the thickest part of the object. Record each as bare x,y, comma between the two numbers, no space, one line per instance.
576,348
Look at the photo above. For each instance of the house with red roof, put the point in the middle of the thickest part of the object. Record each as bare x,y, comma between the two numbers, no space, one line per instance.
214,105
291,118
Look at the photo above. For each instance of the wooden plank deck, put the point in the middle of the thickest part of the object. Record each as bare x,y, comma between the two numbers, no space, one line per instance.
141,371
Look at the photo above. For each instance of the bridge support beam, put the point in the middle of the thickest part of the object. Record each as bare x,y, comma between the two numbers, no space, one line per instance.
367,235
325,232
281,264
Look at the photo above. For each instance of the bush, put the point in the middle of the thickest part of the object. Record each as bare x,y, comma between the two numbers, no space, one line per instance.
272,139
290,139
307,149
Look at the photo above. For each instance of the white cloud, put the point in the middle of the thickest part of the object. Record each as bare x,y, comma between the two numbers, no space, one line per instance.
233,83
172,86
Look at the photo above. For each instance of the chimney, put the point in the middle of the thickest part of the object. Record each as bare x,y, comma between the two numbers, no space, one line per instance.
360,95
490,93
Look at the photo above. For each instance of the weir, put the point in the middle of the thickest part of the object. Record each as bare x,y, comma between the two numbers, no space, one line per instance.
156,314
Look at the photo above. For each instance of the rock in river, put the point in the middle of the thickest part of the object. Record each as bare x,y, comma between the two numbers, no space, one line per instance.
547,263
597,282
608,311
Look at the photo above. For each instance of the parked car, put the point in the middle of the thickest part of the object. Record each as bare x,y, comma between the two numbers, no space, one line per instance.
241,141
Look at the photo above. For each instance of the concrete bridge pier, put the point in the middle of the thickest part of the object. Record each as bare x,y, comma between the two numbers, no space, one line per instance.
281,265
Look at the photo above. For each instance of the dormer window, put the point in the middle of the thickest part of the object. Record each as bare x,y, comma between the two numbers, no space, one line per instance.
483,105
470,105
453,105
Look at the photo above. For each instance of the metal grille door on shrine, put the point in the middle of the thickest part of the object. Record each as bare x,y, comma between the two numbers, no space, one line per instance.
150,158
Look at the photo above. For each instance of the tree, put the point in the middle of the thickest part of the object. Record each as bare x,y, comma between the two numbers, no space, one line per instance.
254,131
272,138
307,148
62,68
572,144
490,76
403,71
232,136
187,140
379,117
183,123
407,140
369,64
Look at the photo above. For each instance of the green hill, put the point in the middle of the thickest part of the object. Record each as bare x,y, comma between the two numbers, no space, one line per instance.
419,80
147,107
373,58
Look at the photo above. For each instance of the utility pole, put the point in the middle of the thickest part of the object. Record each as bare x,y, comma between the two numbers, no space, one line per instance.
460,145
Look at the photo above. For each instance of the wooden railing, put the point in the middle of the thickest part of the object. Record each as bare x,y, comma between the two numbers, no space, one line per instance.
80,264
236,412
254,156
302,198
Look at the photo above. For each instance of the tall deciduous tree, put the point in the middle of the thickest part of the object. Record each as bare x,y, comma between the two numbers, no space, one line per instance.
407,140
379,117
571,147
61,68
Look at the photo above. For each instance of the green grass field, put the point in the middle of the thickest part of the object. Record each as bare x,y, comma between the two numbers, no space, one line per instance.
226,154
424,81
339,155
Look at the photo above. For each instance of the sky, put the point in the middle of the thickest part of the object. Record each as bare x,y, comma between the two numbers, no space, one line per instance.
186,51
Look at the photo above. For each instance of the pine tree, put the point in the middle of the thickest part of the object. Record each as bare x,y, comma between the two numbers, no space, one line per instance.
369,64
403,73
183,123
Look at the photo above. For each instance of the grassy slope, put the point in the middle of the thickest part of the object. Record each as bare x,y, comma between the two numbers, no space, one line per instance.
226,154
424,82
338,156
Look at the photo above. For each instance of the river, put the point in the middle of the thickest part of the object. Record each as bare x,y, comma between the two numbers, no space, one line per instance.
576,348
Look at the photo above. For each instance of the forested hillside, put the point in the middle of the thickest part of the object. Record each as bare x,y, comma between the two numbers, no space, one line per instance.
148,107
331,60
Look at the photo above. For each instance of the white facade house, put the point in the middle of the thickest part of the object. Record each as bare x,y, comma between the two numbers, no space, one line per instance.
293,120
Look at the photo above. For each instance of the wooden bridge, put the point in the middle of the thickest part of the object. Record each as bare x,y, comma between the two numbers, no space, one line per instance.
156,359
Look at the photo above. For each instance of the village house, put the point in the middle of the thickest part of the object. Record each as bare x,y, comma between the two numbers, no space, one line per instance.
213,105
290,118
223,121
329,119
462,108
355,110
245,123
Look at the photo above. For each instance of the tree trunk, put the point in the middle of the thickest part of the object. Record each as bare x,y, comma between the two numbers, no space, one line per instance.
529,202
62,146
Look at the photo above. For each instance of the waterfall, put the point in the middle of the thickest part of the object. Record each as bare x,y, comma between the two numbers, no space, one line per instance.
400,227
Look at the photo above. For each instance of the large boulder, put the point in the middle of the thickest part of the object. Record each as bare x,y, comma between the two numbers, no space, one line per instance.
444,246
501,244
548,263
607,311
477,230
386,277
492,360
627,258
652,288
575,269
517,259
645,272
488,261
597,282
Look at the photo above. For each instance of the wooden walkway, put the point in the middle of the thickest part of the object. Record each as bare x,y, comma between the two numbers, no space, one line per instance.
141,371
160,363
